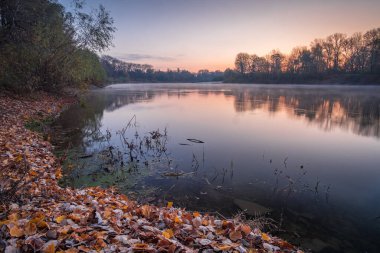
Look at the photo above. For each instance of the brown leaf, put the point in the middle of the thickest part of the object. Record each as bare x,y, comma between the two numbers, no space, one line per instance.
245,229
235,235
16,231
30,228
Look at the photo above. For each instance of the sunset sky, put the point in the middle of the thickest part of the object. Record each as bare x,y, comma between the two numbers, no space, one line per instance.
199,34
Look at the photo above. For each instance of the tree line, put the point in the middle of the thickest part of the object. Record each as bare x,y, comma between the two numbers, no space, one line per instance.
43,46
118,71
337,58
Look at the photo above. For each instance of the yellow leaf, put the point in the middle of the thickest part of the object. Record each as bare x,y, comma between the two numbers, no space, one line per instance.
19,158
265,237
60,218
15,231
170,204
168,233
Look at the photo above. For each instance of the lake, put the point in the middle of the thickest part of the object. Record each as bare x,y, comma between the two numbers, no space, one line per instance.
306,155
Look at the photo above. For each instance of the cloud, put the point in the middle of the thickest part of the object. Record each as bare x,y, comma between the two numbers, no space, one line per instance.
144,57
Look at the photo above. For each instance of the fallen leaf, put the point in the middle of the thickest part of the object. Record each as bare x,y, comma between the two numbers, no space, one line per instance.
59,219
246,229
49,248
224,247
140,246
170,204
16,231
265,237
235,235
168,233
30,228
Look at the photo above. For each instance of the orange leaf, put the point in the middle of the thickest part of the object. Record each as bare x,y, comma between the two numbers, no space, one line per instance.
170,204
146,210
13,217
235,235
246,229
177,220
140,246
30,228
49,249
15,231
196,214
265,237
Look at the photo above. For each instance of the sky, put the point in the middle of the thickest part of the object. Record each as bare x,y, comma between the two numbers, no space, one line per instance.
207,34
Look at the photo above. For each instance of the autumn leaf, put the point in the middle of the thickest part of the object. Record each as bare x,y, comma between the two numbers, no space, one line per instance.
265,237
140,246
16,231
19,158
224,247
59,219
13,217
170,204
30,228
235,235
49,248
168,233
196,214
146,210
245,229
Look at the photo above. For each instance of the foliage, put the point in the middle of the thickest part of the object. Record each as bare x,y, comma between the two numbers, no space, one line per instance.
45,47
336,59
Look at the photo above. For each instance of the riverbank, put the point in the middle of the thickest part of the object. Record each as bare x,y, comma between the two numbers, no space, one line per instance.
39,215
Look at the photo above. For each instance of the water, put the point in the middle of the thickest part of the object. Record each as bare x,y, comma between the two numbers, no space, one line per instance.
309,153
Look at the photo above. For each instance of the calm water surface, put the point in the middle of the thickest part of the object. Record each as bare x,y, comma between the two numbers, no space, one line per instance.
311,154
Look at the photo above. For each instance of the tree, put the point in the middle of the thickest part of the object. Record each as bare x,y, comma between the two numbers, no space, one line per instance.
48,47
316,49
372,42
242,63
336,43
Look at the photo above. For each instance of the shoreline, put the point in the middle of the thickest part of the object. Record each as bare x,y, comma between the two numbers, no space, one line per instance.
39,215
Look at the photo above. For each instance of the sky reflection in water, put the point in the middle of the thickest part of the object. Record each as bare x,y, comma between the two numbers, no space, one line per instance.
324,141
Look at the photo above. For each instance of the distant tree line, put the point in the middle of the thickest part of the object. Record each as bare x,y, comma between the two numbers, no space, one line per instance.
337,58
45,47
119,71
